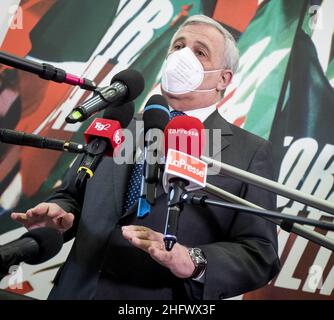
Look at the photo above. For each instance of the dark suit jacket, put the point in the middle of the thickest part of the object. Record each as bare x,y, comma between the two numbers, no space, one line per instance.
241,249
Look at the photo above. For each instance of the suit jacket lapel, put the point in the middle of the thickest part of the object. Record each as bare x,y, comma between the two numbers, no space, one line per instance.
217,141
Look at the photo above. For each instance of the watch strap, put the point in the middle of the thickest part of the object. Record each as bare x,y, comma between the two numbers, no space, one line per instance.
200,262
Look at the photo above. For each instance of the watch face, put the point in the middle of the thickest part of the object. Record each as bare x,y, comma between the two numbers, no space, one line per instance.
199,260
197,256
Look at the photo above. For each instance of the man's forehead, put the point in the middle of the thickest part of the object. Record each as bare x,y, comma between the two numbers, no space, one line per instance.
204,34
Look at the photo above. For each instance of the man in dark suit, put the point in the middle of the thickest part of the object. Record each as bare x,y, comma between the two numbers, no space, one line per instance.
220,253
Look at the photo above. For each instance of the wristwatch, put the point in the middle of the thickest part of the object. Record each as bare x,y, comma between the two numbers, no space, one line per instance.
199,260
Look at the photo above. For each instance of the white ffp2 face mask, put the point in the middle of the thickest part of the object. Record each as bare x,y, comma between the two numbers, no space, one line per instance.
183,72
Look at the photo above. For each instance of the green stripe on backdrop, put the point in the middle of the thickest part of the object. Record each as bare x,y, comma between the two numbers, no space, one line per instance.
330,71
308,109
276,23
71,30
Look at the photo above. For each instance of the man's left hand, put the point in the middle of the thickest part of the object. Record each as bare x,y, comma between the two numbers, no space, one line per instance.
177,260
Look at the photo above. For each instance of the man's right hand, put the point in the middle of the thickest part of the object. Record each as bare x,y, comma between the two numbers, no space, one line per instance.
45,215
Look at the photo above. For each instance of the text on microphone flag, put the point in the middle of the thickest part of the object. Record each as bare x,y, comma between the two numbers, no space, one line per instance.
185,166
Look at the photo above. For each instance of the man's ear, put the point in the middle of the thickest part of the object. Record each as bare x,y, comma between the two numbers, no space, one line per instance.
225,79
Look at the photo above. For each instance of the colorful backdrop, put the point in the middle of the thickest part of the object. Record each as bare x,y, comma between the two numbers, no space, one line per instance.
283,91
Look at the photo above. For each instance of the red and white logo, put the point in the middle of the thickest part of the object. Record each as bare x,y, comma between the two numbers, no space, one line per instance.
183,165
118,137
107,129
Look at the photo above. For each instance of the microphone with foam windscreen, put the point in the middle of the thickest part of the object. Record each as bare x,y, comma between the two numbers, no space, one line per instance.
34,247
156,116
184,142
103,137
125,86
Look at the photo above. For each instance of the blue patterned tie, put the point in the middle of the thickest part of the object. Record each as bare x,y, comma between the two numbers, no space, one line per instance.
133,192
175,113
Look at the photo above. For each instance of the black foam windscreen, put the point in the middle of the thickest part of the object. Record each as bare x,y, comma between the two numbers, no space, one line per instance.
49,240
156,113
133,80
123,114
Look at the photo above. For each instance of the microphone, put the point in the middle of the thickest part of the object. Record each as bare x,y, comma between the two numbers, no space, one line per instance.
46,71
184,142
125,86
271,185
103,136
156,116
36,141
33,247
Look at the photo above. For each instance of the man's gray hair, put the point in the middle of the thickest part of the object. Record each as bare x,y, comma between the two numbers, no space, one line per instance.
231,52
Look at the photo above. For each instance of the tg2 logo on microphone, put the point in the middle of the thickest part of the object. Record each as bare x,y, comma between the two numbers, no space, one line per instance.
100,126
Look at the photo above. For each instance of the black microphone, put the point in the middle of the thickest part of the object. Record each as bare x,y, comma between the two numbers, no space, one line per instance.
125,86
36,141
34,247
175,206
46,71
102,137
156,116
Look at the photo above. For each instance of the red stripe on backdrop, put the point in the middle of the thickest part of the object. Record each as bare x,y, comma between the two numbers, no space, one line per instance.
235,13
17,41
37,164
227,97
240,121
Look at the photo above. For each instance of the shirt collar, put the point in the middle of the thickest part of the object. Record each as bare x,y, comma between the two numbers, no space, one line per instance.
202,114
